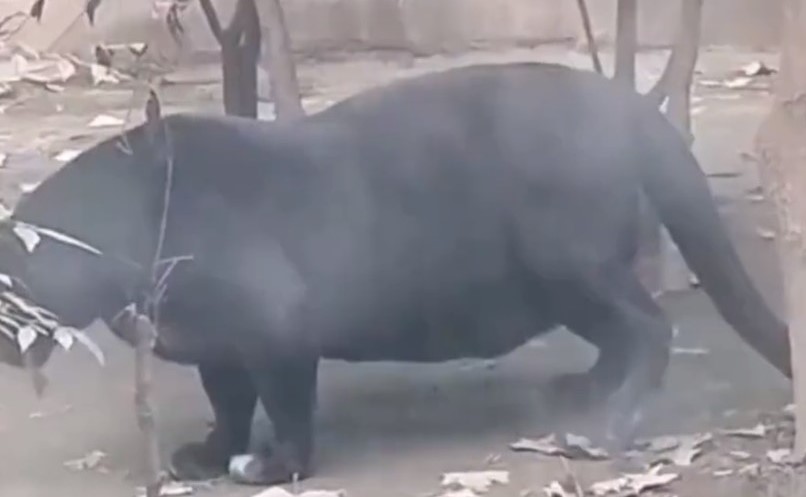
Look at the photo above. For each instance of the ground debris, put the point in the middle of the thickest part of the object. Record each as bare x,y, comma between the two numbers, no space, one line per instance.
658,444
765,233
476,481
571,446
692,351
687,450
281,492
89,462
758,431
464,492
67,155
559,489
756,68
104,121
170,489
784,457
740,455
634,483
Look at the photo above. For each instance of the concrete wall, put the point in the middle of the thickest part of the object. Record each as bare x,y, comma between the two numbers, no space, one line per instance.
422,26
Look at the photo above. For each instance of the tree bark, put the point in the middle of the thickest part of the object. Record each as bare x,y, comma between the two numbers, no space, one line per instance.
240,51
675,82
781,146
661,266
626,41
587,28
282,72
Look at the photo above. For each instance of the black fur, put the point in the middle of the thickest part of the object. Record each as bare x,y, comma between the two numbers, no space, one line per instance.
458,214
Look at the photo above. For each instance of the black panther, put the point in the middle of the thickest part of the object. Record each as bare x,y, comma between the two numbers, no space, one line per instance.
456,214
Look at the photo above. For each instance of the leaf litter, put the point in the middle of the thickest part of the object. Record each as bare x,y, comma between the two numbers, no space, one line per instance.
478,482
281,492
635,483
758,431
170,489
571,446
89,462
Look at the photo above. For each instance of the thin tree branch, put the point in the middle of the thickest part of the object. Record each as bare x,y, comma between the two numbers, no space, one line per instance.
679,69
212,19
586,25
626,41
282,73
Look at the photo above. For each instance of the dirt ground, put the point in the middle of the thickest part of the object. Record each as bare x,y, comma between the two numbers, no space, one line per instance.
392,429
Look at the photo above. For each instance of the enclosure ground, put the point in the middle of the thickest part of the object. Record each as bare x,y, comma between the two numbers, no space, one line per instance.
392,430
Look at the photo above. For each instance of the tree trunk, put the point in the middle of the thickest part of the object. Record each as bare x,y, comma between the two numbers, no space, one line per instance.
675,82
240,50
587,28
661,266
626,41
282,73
782,148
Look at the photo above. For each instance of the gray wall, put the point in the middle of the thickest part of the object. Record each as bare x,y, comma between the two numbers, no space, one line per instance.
423,26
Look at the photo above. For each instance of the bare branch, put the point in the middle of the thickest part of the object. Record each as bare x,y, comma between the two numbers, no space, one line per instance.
626,41
283,74
4,32
587,27
679,70
212,19
144,401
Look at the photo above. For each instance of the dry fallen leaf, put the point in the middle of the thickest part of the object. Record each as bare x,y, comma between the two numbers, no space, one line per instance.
170,489
175,489
606,487
757,431
67,155
459,493
750,469
756,68
546,445
86,463
635,483
740,82
780,456
477,481
27,235
281,492
766,234
26,337
659,444
105,120
740,455
555,489
722,473
102,74
55,88
710,83
581,446
690,351
690,447
29,187
572,446
274,492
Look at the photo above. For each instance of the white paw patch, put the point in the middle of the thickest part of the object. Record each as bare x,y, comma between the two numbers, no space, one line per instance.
239,463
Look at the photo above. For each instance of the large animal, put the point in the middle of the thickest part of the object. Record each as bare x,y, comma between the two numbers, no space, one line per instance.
456,214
